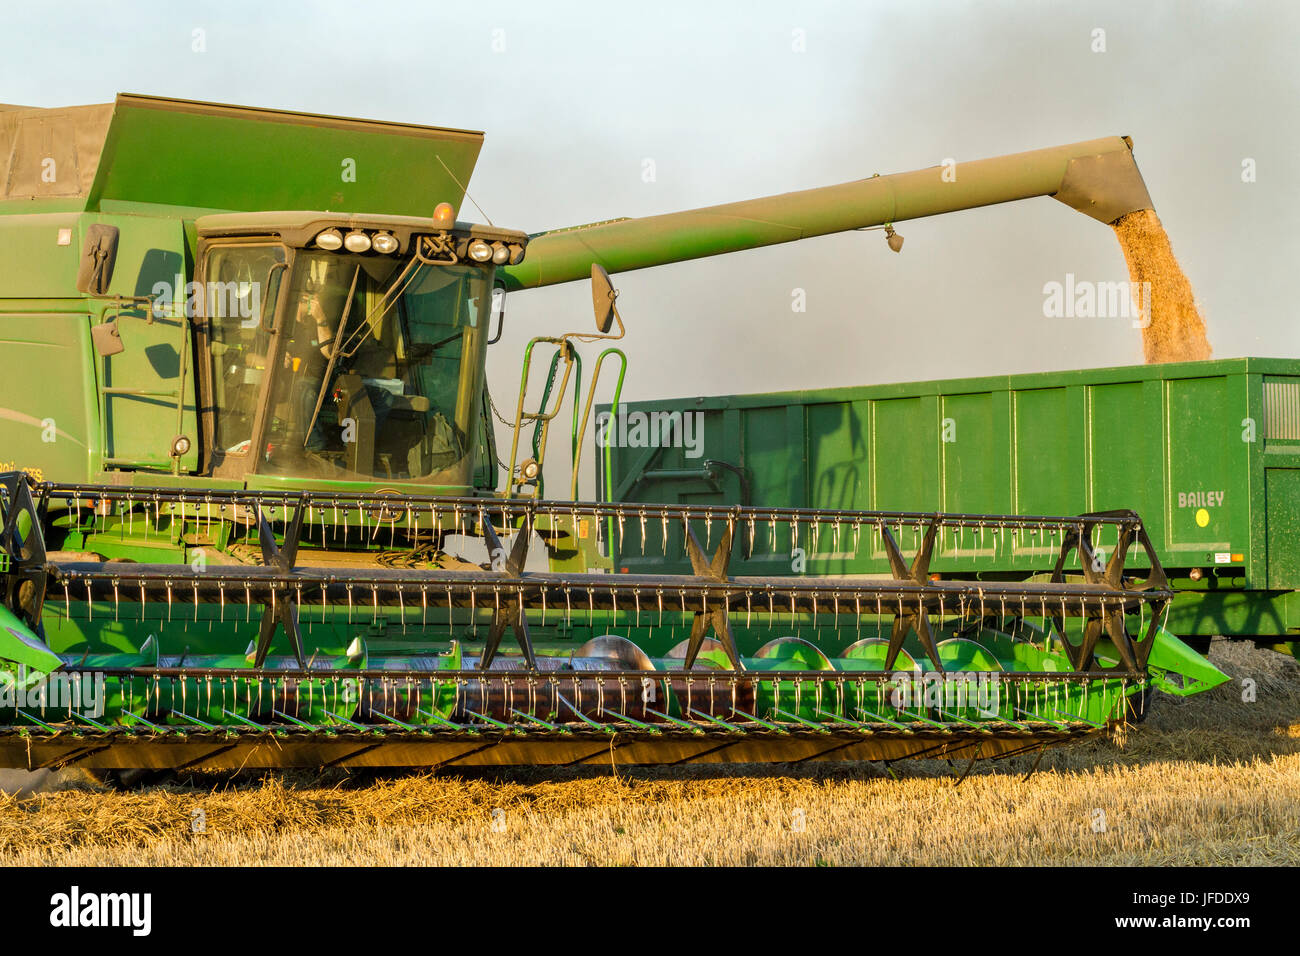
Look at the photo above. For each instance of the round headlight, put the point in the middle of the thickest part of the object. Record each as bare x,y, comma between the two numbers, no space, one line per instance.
384,243
500,253
516,254
444,215
356,241
329,239
480,251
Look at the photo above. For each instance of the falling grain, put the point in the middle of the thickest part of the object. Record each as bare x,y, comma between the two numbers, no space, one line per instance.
1176,331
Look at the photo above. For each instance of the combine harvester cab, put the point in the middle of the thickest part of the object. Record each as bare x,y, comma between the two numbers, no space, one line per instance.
233,535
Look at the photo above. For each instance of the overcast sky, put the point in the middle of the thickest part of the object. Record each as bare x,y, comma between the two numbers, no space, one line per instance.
574,97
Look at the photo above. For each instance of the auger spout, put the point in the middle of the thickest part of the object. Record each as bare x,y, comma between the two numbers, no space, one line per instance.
1098,177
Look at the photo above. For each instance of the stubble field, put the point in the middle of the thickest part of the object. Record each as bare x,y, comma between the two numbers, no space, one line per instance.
1208,780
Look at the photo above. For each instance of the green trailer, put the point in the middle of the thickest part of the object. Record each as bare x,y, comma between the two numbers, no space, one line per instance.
1207,452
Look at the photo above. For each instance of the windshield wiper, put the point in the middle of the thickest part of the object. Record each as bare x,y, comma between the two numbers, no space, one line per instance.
334,354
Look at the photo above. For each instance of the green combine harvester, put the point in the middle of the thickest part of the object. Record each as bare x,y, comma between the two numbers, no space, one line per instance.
251,513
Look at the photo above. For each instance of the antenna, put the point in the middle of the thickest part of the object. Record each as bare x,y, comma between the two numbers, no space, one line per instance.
465,191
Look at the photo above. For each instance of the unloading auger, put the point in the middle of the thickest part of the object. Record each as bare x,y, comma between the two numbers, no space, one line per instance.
281,665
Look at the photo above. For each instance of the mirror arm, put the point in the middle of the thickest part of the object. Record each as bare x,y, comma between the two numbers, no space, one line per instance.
501,319
267,292
127,301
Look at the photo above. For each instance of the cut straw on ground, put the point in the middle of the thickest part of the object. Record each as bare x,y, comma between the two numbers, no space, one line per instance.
1208,779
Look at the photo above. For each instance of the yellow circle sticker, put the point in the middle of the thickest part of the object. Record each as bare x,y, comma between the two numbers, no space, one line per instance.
1202,517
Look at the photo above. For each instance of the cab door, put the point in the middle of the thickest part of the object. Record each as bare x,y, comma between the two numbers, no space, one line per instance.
240,287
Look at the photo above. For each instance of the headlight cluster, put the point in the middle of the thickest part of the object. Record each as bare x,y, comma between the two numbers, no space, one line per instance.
330,239
357,241
498,253
385,243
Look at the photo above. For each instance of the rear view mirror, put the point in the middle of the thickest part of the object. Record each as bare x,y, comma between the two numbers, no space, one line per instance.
98,255
107,338
498,312
602,298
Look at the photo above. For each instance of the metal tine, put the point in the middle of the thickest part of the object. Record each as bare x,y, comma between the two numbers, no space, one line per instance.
843,719
537,720
583,717
244,720
649,728
394,720
194,720
301,723
885,720
439,719
135,717
1076,717
351,723
761,723
718,720
926,720
495,723
820,728
684,724
962,720
92,723
1040,719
